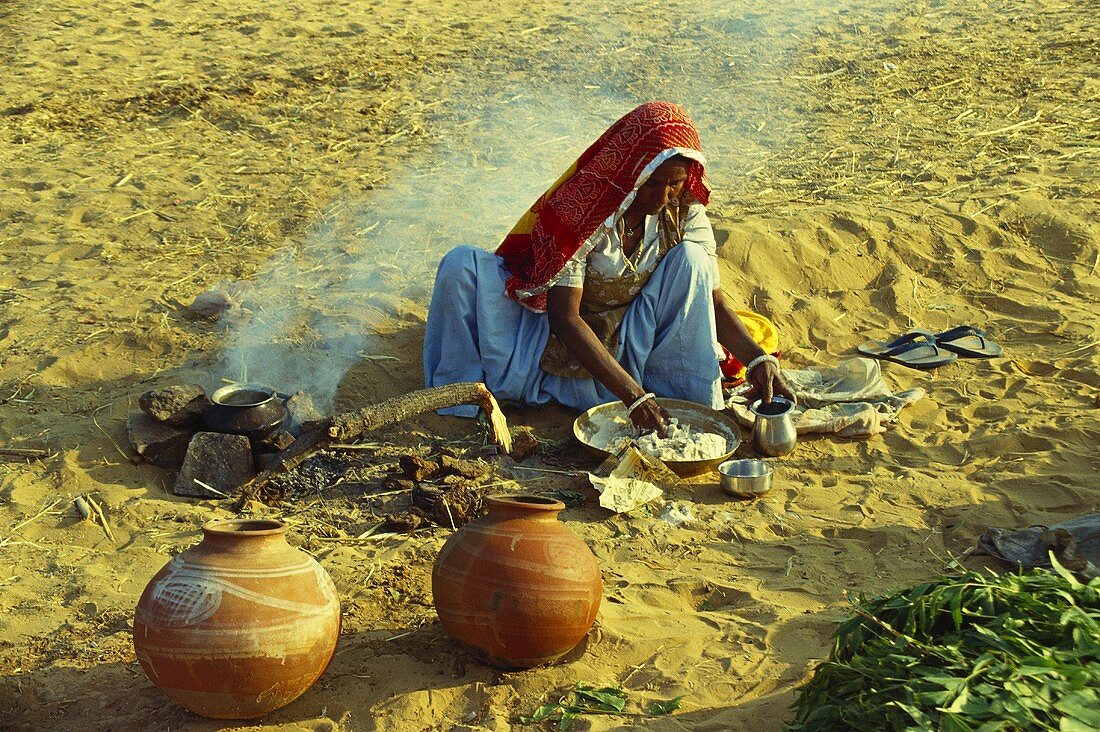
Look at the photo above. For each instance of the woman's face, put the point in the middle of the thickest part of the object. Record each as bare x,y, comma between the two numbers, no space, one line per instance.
665,184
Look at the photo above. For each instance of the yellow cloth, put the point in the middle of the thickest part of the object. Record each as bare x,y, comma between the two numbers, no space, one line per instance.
762,331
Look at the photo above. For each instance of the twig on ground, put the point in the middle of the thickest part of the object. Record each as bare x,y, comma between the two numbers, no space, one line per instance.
121,452
211,488
24,452
101,517
45,509
1010,128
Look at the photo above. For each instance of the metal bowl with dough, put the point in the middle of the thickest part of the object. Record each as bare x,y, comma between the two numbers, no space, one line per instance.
696,416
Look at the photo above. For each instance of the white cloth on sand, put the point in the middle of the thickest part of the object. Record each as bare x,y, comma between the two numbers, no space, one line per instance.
850,400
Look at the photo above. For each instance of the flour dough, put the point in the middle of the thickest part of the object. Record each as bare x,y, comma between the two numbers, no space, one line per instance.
683,443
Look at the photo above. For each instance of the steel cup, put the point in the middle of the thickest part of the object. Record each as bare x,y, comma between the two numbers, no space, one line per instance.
773,432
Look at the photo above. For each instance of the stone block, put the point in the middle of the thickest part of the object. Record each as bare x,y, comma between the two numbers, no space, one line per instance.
302,412
223,462
178,405
157,443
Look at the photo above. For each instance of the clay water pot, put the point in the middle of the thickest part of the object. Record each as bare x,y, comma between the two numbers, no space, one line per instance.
238,625
516,585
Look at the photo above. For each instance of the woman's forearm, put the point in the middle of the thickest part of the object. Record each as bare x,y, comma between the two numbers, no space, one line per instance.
576,335
593,355
733,334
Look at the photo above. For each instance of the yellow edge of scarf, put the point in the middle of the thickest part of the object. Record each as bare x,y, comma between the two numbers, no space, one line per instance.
526,224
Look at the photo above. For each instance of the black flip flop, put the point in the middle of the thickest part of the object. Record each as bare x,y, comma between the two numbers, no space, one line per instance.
968,342
917,350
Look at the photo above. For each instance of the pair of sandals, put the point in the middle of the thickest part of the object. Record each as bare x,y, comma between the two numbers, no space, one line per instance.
920,349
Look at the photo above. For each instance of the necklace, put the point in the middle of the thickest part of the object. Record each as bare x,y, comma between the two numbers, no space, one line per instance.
626,233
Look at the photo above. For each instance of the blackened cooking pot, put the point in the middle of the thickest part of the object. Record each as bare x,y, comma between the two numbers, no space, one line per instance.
245,409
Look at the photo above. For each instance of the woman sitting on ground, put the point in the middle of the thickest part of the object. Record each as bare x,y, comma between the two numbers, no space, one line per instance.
606,289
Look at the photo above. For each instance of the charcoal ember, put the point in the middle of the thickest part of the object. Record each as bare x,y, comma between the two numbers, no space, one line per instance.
424,496
458,506
223,462
277,441
157,443
301,412
417,468
524,443
179,405
402,522
449,465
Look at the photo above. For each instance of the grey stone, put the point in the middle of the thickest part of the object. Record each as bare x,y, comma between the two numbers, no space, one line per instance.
178,405
223,462
214,304
157,443
265,460
302,412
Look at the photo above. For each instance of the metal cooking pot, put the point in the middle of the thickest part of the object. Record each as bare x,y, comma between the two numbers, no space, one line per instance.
245,409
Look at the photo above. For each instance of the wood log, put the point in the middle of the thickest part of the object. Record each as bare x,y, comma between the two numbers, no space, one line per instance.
350,425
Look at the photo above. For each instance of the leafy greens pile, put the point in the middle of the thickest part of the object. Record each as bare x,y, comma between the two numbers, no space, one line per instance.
973,652
587,699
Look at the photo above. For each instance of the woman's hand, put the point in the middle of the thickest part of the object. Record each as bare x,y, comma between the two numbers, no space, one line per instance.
767,383
649,416
764,378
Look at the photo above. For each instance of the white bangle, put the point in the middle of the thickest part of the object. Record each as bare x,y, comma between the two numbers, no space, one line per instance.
763,358
638,402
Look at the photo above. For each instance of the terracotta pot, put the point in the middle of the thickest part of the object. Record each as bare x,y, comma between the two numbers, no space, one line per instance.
238,625
516,585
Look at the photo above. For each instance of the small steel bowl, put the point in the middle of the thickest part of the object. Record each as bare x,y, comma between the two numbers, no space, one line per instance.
745,478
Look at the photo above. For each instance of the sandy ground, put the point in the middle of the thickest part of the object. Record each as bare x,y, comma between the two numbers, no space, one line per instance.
877,165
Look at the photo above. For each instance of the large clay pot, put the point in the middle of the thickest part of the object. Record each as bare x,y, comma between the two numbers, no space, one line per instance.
516,585
238,625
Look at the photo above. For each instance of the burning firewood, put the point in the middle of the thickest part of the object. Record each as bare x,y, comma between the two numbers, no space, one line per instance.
350,425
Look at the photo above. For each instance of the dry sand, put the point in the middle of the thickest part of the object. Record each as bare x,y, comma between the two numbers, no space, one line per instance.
878,166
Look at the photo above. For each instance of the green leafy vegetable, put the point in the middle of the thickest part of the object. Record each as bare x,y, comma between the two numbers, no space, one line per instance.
572,499
544,711
973,652
587,699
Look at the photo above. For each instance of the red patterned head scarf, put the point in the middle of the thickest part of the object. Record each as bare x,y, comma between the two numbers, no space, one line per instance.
591,191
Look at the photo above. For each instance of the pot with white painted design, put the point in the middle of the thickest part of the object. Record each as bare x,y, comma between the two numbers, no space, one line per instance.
238,625
516,585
